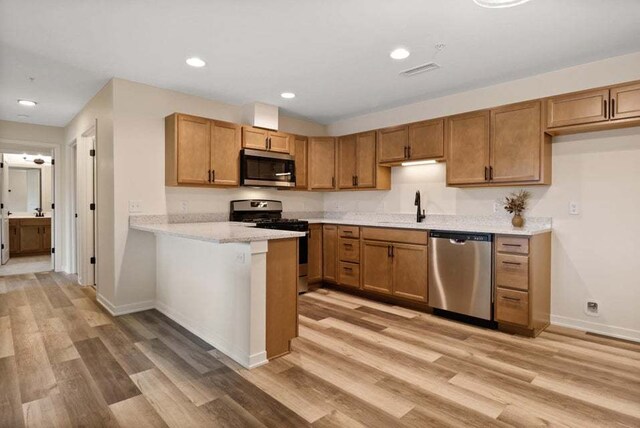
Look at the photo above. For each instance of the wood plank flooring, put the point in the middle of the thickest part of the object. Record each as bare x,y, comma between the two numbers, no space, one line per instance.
65,362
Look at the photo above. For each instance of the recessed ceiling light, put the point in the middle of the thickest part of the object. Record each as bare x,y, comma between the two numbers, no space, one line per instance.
496,4
27,103
196,62
400,53
288,95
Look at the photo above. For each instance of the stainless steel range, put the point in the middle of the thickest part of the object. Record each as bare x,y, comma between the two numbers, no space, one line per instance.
267,214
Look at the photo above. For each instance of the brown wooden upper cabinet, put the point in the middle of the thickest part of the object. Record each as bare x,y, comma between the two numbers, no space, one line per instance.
502,146
201,152
302,162
595,109
357,166
322,163
263,139
578,108
468,138
416,141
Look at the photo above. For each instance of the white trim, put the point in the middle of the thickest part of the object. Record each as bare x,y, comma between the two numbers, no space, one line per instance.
129,308
214,340
599,328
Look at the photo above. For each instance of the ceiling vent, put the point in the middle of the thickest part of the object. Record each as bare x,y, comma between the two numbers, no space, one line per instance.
420,69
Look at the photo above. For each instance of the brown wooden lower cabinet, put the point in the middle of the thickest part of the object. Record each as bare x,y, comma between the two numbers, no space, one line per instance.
314,254
282,296
523,283
330,253
377,267
392,263
29,236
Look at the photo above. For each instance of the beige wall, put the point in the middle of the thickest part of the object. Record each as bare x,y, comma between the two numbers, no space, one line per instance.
98,110
594,253
139,112
27,132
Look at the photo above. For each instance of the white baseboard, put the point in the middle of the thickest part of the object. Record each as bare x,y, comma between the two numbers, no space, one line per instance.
594,327
211,338
129,308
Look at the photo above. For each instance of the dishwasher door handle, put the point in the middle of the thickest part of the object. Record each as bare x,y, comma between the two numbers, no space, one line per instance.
458,241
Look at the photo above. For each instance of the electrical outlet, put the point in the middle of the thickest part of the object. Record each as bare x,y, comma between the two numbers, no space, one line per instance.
591,308
135,206
184,206
240,258
574,208
496,207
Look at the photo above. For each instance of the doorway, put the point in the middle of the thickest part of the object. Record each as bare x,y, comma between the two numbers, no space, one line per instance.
27,213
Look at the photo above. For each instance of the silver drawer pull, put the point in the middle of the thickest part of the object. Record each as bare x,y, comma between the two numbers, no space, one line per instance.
512,263
512,245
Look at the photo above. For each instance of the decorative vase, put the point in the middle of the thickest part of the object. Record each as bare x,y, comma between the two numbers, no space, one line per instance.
517,220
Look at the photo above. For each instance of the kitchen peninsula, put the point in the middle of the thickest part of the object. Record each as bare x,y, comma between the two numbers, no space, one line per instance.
230,284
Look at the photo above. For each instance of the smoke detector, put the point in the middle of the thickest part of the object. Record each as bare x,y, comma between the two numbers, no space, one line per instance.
420,69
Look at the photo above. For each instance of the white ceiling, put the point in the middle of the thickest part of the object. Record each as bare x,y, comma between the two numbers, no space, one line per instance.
334,54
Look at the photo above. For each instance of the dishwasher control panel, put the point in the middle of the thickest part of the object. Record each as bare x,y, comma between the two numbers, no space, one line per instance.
462,236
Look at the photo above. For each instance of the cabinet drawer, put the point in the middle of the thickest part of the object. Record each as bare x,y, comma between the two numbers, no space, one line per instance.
395,235
349,274
508,244
349,250
512,307
35,221
349,231
512,271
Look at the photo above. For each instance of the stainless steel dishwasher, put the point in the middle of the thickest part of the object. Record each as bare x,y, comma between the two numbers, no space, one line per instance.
460,272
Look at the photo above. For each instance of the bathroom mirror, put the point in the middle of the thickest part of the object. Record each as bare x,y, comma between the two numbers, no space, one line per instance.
25,190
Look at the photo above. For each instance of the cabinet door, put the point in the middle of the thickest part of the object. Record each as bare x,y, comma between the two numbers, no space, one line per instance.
347,160
254,138
377,269
300,149
322,157
516,142
225,153
30,239
194,135
625,101
468,148
314,255
46,237
279,142
578,108
366,164
426,140
410,271
393,143
14,238
330,253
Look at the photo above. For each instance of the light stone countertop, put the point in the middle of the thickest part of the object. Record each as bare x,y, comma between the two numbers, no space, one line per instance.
24,216
455,224
222,232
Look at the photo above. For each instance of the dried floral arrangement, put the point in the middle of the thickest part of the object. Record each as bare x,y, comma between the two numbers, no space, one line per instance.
516,203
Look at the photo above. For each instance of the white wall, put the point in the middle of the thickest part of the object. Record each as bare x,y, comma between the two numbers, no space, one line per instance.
595,253
100,109
138,116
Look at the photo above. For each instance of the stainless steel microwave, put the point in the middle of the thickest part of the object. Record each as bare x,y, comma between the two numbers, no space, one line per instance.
267,169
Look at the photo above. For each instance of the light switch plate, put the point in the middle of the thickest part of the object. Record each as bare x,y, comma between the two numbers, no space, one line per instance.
135,206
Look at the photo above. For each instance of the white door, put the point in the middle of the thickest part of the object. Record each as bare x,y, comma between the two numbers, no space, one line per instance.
4,217
85,209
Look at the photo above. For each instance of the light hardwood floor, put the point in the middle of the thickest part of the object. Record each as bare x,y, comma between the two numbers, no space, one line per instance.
65,362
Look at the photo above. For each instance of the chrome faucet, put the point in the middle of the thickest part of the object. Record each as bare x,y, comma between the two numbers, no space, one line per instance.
421,213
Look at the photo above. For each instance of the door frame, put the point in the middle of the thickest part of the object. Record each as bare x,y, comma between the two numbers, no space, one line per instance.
56,151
